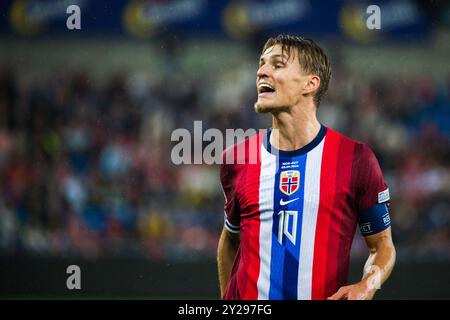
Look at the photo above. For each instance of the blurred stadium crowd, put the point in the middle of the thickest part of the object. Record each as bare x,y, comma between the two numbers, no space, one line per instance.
85,167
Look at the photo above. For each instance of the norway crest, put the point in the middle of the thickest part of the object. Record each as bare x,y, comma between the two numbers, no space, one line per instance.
289,181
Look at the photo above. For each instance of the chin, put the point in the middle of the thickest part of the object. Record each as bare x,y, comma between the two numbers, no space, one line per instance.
261,107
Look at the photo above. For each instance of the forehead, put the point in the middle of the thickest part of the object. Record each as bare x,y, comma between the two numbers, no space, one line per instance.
276,51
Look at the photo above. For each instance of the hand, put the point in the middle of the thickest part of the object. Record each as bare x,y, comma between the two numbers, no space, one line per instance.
358,291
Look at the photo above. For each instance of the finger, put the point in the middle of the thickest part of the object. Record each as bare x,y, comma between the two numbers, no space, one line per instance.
340,294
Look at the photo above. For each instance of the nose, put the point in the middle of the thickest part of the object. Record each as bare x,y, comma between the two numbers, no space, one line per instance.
262,72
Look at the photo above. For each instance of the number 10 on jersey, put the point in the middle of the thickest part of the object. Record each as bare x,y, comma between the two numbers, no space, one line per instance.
287,218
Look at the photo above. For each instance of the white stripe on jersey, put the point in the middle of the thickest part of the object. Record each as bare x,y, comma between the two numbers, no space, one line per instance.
266,185
310,212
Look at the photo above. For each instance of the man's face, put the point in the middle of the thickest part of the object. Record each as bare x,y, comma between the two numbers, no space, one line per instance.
279,80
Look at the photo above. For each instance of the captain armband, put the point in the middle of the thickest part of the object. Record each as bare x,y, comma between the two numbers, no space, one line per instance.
374,219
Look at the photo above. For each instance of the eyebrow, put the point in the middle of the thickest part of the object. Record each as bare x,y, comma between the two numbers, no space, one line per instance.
275,56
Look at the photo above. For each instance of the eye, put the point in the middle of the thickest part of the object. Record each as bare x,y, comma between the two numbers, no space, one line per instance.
278,65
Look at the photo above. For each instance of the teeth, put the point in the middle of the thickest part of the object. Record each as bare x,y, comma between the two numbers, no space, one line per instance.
265,85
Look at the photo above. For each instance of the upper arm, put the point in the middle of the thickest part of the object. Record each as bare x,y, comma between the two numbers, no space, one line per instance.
233,238
228,176
371,187
372,194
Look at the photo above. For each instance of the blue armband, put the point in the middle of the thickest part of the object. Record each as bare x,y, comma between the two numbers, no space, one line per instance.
374,220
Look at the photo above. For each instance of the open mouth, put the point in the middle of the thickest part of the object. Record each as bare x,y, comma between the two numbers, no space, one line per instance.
265,89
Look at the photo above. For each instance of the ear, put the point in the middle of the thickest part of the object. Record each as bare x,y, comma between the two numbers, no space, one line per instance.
312,84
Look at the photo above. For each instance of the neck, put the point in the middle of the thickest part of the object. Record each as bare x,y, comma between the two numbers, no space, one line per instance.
294,128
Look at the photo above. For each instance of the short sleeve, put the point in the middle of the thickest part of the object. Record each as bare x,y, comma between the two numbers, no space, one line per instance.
231,207
372,196
371,187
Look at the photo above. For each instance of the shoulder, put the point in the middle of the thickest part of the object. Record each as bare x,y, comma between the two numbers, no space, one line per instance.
333,134
239,154
365,155
235,159
362,151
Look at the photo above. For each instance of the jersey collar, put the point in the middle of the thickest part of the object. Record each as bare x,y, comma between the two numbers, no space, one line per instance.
287,154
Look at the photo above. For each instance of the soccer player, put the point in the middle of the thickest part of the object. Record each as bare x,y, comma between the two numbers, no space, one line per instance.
291,215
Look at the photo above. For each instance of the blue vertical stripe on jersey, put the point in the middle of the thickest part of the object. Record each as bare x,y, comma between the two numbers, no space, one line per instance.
285,256
292,252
